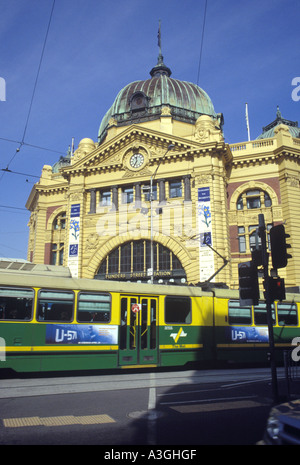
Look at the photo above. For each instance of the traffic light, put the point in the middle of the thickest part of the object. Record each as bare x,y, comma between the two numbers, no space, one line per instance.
248,284
276,289
279,247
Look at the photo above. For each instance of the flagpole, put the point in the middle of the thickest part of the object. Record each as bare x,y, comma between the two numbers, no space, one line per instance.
247,122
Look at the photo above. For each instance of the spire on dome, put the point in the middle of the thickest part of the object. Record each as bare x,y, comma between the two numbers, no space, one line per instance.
160,68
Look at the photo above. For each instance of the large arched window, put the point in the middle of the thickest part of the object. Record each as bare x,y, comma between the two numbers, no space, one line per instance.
132,261
254,198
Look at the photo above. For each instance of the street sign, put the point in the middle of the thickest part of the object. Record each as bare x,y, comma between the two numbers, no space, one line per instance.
135,308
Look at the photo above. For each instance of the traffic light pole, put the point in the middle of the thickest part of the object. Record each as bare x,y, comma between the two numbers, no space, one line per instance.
265,263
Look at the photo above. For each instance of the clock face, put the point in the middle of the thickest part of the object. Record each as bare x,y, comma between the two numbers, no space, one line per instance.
136,160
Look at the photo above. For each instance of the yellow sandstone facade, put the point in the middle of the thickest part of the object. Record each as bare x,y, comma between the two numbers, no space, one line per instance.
160,194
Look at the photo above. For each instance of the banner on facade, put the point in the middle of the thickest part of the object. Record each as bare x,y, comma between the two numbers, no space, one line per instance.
206,255
74,233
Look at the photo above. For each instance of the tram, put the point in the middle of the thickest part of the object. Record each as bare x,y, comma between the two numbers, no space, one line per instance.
50,321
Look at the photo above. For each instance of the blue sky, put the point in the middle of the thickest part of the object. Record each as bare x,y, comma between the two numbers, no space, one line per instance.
95,47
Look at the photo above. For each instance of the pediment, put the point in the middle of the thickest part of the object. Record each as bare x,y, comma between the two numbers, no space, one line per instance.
117,153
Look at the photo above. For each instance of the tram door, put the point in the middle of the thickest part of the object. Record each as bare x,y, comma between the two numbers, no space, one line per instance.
138,330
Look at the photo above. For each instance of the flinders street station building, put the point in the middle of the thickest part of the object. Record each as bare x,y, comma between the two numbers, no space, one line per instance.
159,195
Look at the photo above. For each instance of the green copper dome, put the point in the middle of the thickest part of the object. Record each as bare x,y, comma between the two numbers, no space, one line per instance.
268,131
142,101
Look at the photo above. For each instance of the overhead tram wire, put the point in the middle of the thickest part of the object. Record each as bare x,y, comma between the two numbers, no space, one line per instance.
6,170
202,39
14,208
31,145
33,93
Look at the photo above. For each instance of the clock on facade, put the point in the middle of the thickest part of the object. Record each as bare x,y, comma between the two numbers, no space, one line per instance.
136,160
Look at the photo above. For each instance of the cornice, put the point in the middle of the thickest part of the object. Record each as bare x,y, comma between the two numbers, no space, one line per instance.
110,155
263,151
51,188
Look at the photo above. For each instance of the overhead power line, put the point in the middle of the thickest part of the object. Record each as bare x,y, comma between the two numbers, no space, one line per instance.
13,208
201,46
38,72
34,89
6,170
31,145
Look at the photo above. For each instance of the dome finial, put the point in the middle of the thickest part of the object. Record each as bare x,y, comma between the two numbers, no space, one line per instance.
160,68
278,113
159,39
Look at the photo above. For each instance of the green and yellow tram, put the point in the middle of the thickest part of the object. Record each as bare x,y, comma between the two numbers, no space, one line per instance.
50,322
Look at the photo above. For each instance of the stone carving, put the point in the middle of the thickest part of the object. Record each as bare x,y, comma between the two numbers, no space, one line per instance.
85,147
208,130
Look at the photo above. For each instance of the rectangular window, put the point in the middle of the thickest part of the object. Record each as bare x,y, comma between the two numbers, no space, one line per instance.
238,315
53,254
105,198
175,189
178,310
57,254
242,239
127,196
94,307
260,314
254,240
253,199
55,305
287,314
147,193
61,253
16,304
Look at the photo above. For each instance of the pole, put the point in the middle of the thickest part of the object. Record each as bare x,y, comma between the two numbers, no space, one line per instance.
247,122
170,147
151,230
265,263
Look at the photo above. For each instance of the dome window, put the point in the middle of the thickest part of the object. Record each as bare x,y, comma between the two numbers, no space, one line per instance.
139,101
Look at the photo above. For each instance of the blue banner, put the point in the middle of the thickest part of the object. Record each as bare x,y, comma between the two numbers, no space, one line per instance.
203,194
81,334
75,210
247,334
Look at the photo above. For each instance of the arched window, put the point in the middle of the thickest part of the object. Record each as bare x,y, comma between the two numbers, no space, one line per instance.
252,199
58,239
59,221
132,261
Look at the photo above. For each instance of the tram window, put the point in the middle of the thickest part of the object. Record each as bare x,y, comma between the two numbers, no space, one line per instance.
94,307
144,325
153,324
55,305
123,329
287,314
178,310
260,314
238,315
16,304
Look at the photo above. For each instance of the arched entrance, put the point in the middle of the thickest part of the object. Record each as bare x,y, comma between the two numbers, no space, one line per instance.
131,261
